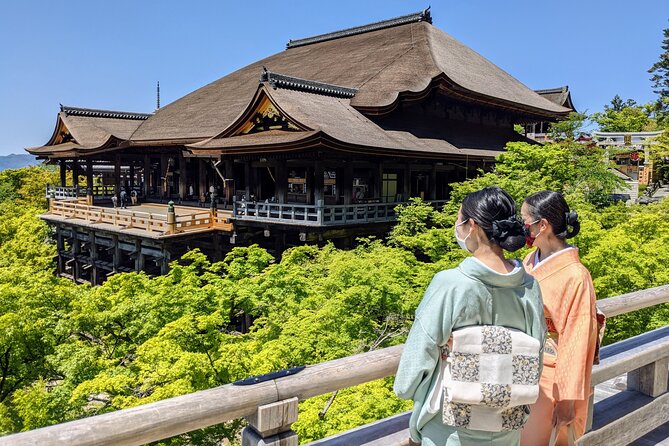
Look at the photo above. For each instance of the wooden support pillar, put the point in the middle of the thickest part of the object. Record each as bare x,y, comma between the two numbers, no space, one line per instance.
270,425
60,245
202,178
309,184
319,182
247,180
93,254
183,177
146,178
347,183
76,250
132,175
650,379
116,256
254,183
432,191
281,177
406,183
139,259
165,262
89,181
163,181
378,181
75,173
117,174
229,186
63,173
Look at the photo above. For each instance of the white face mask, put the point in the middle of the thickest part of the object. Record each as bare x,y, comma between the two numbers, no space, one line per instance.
462,241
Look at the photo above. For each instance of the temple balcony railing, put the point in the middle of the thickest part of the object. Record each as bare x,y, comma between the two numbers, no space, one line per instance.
318,214
270,407
104,191
157,224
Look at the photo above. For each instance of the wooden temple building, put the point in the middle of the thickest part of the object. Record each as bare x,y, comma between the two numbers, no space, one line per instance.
318,142
541,131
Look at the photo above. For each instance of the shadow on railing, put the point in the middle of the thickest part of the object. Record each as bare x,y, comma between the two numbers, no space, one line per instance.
318,214
271,406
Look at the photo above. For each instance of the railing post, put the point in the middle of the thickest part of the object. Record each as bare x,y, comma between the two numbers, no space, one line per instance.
172,218
270,425
650,379
319,212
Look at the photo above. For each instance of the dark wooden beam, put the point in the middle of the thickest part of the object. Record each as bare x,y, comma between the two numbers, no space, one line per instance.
63,173
147,174
75,172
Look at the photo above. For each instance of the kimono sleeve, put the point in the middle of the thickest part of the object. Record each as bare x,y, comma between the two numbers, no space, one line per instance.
430,330
576,345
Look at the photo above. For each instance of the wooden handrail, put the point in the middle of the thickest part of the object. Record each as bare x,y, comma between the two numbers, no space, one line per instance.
174,416
626,303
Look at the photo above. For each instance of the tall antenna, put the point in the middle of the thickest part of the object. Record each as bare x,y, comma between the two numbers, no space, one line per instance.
158,96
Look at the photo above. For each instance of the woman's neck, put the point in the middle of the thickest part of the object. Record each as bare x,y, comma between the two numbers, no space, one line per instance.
493,258
550,247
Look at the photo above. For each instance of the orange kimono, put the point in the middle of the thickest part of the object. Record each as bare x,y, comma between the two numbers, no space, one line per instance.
569,308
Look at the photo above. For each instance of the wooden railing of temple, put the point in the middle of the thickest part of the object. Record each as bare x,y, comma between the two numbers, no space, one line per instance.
153,223
271,406
318,214
64,192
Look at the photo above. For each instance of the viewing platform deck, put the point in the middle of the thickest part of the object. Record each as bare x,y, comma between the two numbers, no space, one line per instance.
148,220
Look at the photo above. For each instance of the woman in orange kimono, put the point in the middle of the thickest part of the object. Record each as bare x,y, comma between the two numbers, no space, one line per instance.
569,308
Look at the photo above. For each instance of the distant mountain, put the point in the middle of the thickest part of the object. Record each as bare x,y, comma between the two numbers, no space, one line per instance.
17,161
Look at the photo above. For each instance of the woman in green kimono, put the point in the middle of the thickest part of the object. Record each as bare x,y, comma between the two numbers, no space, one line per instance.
484,289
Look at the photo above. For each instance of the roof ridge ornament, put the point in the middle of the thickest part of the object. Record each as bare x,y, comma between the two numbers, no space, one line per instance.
563,89
277,80
422,16
98,113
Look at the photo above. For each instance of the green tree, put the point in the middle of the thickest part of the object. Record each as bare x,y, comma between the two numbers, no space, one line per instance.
625,117
569,129
660,80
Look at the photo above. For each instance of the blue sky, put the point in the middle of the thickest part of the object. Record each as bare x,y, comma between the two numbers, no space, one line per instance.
110,54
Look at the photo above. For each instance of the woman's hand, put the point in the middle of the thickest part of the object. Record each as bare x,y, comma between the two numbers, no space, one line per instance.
563,413
413,443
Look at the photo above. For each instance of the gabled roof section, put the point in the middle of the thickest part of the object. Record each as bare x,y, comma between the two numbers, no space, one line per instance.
423,16
560,96
86,129
262,114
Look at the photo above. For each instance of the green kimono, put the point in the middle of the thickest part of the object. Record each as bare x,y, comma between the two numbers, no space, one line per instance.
471,294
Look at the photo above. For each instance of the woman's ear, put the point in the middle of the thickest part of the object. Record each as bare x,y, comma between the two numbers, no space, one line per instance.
544,225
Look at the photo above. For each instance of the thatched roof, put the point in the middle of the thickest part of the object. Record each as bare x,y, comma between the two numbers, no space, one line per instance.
86,129
560,96
383,65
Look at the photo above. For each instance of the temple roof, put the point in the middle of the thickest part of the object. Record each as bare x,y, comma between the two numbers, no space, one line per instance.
382,64
560,96
82,129
333,121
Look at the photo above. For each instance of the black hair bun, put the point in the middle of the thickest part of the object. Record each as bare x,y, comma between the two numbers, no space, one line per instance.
509,233
571,218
